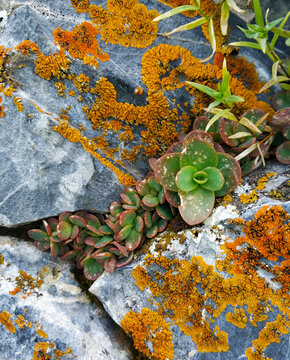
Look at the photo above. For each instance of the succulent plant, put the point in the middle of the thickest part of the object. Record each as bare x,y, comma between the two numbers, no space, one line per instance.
83,238
197,174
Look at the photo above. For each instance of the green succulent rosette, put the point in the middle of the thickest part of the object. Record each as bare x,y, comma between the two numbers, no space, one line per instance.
198,173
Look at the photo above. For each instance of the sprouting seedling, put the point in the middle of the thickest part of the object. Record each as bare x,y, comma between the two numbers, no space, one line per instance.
260,33
223,94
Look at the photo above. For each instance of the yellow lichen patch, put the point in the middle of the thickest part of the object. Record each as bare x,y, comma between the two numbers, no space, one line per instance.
81,41
149,327
193,295
253,195
81,6
22,323
125,22
225,200
276,195
238,318
5,319
1,259
19,104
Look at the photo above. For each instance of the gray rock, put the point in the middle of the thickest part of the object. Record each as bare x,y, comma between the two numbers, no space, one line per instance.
56,305
119,293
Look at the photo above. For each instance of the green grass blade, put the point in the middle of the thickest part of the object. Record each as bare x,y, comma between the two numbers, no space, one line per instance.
276,36
258,13
247,44
207,90
175,11
188,26
216,117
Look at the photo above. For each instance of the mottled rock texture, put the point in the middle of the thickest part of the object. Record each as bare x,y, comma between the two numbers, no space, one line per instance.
47,306
120,294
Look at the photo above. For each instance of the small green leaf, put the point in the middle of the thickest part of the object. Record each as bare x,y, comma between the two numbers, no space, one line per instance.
150,201
133,240
175,11
207,90
92,269
200,177
234,98
188,26
184,179
263,44
64,230
240,135
127,217
281,32
231,172
272,82
125,232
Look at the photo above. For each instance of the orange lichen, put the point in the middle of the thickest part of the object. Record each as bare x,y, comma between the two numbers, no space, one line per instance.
149,327
192,295
238,318
19,104
158,75
81,6
249,198
22,323
40,331
82,83
5,319
2,112
268,335
46,66
43,351
125,22
15,291
81,41
27,283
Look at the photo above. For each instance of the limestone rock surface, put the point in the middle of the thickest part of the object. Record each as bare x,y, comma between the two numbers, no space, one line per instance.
120,294
44,312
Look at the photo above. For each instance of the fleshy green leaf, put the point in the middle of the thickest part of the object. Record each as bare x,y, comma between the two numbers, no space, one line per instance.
215,179
165,170
283,153
199,154
38,235
196,205
231,172
133,240
92,269
184,179
127,217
